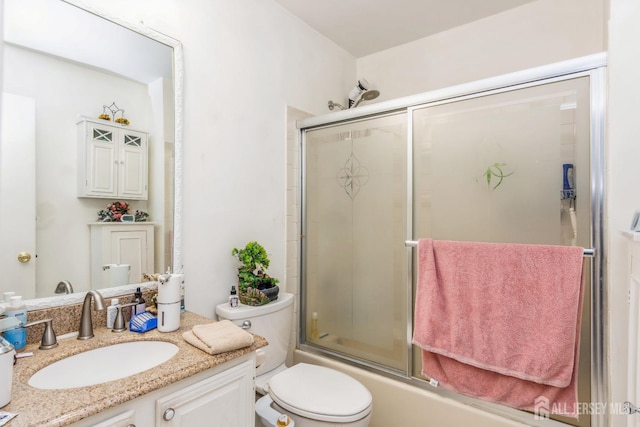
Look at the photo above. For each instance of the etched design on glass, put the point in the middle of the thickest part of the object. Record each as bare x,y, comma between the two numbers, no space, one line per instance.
352,176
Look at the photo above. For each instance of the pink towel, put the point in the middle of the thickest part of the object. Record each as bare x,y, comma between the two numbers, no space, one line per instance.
500,322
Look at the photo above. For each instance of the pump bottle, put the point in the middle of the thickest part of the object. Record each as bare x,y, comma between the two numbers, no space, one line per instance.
17,336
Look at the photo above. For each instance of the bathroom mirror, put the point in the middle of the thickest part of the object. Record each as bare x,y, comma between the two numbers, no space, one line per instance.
64,61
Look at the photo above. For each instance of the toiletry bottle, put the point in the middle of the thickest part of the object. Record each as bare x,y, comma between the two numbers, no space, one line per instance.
182,309
233,298
314,325
17,336
140,304
7,296
112,311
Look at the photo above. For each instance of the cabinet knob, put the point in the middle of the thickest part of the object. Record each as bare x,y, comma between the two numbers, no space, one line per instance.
24,257
131,425
169,414
246,324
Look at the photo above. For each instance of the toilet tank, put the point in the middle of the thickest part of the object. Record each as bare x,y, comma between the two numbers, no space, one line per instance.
272,321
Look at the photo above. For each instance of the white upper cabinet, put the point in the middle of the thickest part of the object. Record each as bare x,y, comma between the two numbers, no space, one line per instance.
112,161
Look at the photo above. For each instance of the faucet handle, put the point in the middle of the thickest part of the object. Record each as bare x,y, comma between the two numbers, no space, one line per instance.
48,340
119,325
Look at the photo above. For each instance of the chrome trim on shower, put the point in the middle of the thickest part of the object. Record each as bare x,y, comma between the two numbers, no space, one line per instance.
599,303
410,254
588,252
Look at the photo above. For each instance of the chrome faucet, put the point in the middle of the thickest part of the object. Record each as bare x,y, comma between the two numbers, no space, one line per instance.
48,340
119,325
86,325
64,287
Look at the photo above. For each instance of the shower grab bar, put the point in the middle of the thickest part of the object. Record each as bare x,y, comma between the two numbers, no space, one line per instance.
588,252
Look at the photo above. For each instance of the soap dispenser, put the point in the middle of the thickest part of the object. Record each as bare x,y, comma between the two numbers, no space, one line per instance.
169,301
17,336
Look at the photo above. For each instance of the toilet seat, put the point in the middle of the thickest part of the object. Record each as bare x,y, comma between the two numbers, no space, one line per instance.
320,393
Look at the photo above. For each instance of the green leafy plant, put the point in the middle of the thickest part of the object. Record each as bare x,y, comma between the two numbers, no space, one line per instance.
252,274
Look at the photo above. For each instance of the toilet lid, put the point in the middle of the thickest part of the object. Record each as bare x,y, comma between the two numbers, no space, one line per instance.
320,393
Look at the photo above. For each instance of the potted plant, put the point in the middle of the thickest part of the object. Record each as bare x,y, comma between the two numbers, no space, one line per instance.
255,286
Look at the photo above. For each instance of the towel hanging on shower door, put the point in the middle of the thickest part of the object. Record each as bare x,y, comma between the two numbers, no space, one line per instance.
501,322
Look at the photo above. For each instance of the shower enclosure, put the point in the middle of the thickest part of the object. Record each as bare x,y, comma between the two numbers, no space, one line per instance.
519,161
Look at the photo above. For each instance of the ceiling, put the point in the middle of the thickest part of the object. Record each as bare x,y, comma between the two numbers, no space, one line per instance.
363,27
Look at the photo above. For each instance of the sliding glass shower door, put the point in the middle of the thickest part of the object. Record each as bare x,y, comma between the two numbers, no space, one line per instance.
512,167
356,224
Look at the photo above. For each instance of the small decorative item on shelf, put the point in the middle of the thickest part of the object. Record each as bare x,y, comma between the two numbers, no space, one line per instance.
113,212
141,216
113,110
116,210
255,286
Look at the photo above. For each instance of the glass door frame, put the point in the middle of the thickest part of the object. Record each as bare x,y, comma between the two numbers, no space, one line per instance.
594,67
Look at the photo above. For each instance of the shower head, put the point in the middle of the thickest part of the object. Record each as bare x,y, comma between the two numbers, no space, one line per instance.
367,95
360,87
360,92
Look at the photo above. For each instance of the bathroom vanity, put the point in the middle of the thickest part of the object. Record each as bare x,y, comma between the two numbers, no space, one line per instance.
191,388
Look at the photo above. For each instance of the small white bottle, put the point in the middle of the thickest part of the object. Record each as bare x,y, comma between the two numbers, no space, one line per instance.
233,298
112,310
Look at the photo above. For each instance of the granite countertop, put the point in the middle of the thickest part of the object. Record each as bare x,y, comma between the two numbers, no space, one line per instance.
37,407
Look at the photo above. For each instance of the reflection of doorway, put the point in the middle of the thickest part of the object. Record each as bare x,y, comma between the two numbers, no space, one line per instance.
18,194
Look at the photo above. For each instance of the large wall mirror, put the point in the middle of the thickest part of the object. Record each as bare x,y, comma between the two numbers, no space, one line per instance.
64,64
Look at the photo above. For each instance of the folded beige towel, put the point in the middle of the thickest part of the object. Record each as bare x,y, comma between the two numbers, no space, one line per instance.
218,337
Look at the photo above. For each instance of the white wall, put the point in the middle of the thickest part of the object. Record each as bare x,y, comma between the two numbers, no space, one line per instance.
537,33
244,62
623,176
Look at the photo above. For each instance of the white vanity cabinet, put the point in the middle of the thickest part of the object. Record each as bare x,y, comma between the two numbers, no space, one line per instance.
121,243
112,161
220,397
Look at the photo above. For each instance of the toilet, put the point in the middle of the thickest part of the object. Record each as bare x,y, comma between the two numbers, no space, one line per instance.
310,395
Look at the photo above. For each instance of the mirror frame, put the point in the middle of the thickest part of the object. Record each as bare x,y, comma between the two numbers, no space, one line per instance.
178,76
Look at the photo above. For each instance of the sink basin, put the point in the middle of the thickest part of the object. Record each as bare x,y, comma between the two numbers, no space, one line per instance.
103,364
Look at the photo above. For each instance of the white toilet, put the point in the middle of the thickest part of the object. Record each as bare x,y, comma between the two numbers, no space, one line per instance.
310,395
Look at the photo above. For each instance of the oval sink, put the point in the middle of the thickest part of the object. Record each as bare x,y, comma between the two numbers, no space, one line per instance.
103,364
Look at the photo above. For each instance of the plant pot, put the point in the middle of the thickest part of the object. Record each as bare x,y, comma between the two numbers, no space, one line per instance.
271,293
257,297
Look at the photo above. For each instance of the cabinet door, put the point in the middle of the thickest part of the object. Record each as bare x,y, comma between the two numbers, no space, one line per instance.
133,173
224,400
132,247
101,161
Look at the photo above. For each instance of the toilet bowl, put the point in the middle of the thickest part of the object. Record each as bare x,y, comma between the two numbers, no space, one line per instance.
308,395
315,396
